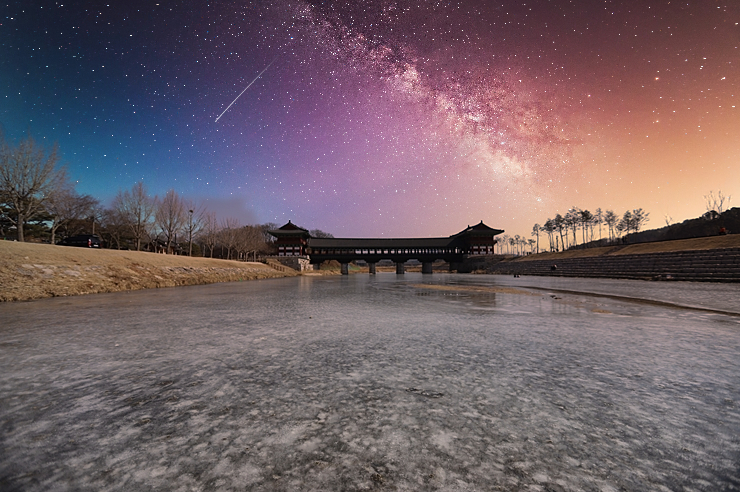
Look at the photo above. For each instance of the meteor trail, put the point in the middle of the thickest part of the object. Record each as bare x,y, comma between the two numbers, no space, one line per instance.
247,87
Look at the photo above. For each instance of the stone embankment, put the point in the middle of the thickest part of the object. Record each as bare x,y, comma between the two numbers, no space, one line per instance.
701,265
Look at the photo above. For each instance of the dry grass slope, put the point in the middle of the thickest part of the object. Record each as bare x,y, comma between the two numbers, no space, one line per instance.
695,244
34,271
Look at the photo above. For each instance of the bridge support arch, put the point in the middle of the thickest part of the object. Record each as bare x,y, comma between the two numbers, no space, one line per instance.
426,267
400,270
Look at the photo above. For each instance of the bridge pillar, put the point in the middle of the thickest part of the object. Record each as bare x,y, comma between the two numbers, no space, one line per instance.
426,267
345,268
400,268
371,267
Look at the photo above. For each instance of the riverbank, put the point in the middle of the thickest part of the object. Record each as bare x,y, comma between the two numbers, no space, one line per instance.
34,271
709,259
694,244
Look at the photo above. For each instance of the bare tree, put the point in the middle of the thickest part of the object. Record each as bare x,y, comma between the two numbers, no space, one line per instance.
718,203
318,233
248,240
170,217
113,226
29,174
136,209
268,226
268,240
228,235
209,232
504,241
65,205
196,214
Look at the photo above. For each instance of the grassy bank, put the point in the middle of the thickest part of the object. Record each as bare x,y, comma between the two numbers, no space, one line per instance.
34,271
695,244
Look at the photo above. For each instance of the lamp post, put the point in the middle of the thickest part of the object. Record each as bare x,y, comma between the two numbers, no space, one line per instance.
190,233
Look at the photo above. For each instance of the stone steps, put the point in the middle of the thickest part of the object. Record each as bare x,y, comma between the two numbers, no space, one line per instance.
278,266
722,265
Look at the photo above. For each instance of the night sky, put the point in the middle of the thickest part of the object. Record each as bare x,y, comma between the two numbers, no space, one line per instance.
385,118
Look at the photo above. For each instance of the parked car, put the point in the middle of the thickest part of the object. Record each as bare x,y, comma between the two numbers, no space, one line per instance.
83,241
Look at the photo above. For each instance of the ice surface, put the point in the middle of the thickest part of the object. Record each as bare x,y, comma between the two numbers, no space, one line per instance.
443,382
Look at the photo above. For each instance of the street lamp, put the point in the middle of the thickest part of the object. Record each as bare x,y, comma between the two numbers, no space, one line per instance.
190,233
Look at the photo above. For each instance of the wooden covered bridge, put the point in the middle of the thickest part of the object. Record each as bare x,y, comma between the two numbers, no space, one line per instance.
295,242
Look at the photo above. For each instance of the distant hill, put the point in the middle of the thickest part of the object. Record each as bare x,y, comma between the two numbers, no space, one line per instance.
708,224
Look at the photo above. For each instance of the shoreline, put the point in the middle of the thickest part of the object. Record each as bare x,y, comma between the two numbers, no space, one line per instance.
31,271
677,245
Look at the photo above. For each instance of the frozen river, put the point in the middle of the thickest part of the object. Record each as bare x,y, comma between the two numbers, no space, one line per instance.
442,382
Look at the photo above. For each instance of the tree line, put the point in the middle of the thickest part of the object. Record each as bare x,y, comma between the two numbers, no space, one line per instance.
565,231
38,201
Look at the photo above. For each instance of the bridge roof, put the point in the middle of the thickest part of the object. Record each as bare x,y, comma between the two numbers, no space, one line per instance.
478,230
357,243
290,230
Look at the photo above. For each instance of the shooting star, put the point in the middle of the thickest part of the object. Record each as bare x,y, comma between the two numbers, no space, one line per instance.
247,87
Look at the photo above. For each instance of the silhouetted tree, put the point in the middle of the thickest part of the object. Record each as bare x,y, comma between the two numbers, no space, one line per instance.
639,218
611,220
559,224
625,224
598,219
549,228
572,219
536,232
586,218
718,202
318,233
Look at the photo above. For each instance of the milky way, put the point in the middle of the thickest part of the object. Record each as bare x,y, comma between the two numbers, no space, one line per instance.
386,117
